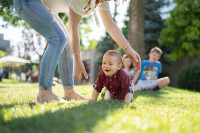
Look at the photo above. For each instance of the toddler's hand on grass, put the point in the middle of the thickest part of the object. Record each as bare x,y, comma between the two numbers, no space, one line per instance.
92,100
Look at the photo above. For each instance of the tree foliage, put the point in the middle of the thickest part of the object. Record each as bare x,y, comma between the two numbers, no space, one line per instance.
153,23
181,35
32,44
189,78
9,16
7,13
2,53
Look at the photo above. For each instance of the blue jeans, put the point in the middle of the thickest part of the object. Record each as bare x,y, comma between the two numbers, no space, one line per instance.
59,49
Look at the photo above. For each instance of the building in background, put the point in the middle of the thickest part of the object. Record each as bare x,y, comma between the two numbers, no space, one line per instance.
4,44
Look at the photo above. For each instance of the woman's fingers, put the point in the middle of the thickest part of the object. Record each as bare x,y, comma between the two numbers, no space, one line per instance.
138,63
85,74
79,76
135,58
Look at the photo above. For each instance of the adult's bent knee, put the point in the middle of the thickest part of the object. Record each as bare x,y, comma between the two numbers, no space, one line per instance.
58,39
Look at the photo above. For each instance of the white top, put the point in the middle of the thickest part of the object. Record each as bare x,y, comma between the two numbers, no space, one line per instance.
61,6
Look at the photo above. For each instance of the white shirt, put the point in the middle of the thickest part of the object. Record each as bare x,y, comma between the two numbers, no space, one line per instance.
61,6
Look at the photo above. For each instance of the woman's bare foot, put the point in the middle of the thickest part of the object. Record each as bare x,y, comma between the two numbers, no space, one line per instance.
47,96
72,95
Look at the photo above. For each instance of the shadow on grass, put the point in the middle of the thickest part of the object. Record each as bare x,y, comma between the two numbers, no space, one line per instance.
154,94
6,106
79,119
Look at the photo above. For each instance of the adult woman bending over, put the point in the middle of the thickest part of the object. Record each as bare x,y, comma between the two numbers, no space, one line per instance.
42,15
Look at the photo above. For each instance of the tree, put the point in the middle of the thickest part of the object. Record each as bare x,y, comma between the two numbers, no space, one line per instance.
136,26
7,13
32,44
182,31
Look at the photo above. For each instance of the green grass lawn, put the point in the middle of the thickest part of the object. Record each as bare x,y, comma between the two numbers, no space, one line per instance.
169,110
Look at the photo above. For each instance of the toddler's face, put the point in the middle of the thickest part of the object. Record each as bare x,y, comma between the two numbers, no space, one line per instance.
110,65
154,56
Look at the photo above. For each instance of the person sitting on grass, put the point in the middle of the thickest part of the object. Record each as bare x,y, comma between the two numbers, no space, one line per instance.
149,73
112,77
127,66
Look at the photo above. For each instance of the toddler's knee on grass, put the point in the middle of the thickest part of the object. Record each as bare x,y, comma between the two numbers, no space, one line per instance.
107,96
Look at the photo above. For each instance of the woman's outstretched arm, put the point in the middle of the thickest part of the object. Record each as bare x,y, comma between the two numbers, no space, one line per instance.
119,38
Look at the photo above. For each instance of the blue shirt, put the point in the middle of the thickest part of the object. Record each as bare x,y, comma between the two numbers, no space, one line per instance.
150,70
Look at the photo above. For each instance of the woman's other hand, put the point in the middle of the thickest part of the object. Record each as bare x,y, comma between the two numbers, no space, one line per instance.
80,69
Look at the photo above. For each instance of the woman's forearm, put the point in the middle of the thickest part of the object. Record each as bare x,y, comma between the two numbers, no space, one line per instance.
113,29
75,42
74,20
117,35
119,38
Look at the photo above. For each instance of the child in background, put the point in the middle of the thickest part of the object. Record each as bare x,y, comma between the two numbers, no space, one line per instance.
149,72
113,78
128,68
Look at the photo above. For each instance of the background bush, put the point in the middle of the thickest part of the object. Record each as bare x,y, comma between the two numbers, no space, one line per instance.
189,78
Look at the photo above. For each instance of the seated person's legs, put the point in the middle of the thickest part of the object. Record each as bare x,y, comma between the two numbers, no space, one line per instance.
128,97
163,82
137,87
146,85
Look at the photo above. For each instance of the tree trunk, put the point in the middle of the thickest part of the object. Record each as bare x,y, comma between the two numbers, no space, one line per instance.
136,26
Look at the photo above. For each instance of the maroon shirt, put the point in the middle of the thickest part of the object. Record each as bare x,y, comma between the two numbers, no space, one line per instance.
118,85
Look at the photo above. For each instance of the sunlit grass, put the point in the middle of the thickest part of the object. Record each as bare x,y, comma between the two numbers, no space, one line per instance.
169,110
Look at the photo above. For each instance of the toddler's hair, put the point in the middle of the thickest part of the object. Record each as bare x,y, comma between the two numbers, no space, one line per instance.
157,50
116,54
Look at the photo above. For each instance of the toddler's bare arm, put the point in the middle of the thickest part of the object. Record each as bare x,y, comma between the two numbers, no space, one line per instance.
128,98
95,95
